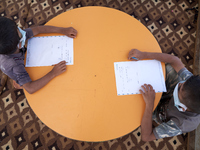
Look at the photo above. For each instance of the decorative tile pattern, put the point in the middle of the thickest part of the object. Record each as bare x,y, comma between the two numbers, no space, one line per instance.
3,134
7,101
27,118
8,145
15,126
22,105
31,131
11,113
36,144
170,23
20,139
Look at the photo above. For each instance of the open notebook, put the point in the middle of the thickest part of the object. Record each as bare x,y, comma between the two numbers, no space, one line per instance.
49,50
131,75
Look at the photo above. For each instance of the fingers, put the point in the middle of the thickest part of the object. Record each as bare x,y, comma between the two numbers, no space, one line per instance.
150,87
141,92
72,35
73,32
146,88
17,86
61,66
131,55
62,62
133,58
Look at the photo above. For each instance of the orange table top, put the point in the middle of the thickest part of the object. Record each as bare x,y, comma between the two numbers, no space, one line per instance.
82,103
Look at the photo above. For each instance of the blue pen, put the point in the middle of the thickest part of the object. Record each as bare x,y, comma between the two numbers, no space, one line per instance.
134,58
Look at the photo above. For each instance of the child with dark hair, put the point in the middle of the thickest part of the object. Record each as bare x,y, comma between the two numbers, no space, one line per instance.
12,53
180,112
9,37
191,93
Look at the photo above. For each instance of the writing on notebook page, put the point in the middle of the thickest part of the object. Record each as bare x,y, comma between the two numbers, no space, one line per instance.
49,50
130,76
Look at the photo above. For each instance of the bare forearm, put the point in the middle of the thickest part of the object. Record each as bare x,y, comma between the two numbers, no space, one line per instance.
174,61
146,124
36,85
70,31
159,56
46,29
148,93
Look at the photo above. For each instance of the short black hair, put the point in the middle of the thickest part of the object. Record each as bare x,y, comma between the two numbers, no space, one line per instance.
191,96
9,37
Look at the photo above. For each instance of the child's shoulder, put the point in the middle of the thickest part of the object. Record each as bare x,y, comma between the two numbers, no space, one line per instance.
185,74
9,60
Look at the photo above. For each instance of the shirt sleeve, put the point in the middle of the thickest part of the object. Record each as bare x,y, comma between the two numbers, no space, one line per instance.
21,75
184,74
190,123
167,129
29,33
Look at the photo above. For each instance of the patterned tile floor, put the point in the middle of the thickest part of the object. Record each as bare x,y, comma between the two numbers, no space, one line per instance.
168,20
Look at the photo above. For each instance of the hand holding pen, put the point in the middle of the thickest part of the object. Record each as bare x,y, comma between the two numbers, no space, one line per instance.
134,58
135,55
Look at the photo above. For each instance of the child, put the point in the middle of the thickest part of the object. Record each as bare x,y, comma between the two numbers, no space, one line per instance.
182,112
12,51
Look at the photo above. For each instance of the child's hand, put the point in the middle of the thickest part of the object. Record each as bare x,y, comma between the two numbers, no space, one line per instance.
138,55
70,32
17,86
148,94
59,68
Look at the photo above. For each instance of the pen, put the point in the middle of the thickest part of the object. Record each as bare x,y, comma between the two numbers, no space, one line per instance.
134,58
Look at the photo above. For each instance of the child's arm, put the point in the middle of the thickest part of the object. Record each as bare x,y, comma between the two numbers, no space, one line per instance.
148,94
33,86
174,61
70,31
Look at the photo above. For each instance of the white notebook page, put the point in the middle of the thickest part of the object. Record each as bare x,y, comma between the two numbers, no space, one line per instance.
49,50
131,75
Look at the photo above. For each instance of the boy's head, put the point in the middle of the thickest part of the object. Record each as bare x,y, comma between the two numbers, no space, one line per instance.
191,93
9,37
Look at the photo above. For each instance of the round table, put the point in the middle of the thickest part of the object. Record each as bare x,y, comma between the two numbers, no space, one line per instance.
82,103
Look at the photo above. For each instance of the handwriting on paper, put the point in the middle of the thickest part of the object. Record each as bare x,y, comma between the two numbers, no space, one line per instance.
130,76
49,50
